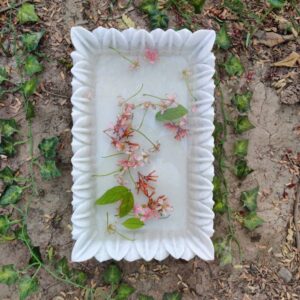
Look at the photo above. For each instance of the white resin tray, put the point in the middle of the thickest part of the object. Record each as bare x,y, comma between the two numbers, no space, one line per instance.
185,168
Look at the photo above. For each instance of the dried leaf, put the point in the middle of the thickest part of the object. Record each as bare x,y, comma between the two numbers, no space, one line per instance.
128,21
289,61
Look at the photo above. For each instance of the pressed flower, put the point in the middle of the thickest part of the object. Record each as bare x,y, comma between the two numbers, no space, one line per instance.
179,127
144,212
151,55
143,183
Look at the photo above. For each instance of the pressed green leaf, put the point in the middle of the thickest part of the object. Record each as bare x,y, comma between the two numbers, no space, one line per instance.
112,274
113,195
48,147
159,20
277,3
8,274
233,66
241,169
126,205
241,148
7,147
32,65
30,110
223,39
252,221
172,296
49,170
8,127
172,114
3,75
243,124
7,175
145,297
4,224
31,40
133,223
27,286
124,291
62,267
11,195
236,6
242,101
249,198
79,277
30,87
26,13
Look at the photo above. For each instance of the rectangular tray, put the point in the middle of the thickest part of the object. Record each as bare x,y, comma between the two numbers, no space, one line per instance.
185,168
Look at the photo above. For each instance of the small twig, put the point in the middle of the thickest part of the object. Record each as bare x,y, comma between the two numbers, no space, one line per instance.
2,10
57,95
296,214
117,16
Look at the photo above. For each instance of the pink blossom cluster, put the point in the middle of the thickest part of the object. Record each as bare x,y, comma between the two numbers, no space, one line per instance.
179,127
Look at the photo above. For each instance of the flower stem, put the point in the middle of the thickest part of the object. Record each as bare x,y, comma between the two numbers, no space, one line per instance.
135,94
189,88
131,177
142,122
112,155
141,133
159,98
122,55
108,174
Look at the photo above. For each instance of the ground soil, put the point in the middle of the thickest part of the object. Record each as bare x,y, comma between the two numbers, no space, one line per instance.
265,250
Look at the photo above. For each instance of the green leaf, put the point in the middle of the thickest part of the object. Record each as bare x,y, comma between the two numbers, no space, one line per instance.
241,148
26,13
48,147
113,195
37,256
49,170
198,5
124,291
243,124
7,175
223,251
3,75
219,207
171,114
249,198
172,296
8,127
79,277
133,223
242,101
236,6
223,39
31,40
126,205
7,147
62,267
112,274
145,297
32,65
159,20
149,6
8,274
277,3
241,169
30,110
252,221
27,286
4,224
30,87
11,195
233,66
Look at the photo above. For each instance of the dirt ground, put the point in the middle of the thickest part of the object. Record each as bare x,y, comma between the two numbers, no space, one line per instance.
265,250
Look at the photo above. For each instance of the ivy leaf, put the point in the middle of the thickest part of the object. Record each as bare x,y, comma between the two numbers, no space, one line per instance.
241,148
133,223
4,224
252,221
112,274
7,147
8,274
31,40
249,198
236,6
3,75
219,207
7,175
79,277
145,297
30,87
27,286
172,296
233,66
243,124
223,39
159,20
241,169
223,252
242,101
30,110
171,114
8,127
11,195
277,3
49,170
48,147
124,291
62,267
32,65
27,14
149,6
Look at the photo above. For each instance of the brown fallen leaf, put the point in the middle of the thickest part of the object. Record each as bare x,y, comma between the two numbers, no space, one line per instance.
271,39
289,61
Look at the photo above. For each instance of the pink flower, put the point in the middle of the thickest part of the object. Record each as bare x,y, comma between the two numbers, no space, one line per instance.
179,127
151,55
144,212
167,103
133,161
163,206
